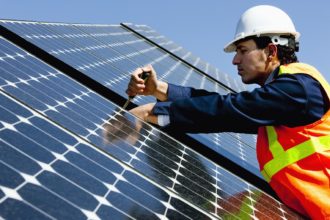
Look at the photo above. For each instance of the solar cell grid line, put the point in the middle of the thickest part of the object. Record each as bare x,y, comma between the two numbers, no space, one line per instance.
197,81
3,87
37,186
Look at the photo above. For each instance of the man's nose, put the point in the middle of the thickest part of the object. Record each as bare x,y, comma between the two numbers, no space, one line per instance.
235,60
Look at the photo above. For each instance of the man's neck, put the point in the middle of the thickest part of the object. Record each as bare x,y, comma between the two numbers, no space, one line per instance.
271,76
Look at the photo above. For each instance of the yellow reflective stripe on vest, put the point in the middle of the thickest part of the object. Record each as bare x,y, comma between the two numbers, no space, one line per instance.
294,154
275,147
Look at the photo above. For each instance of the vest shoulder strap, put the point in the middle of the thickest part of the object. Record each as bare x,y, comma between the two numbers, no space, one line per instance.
293,68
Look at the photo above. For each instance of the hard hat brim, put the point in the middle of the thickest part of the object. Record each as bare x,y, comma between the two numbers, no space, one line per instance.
231,47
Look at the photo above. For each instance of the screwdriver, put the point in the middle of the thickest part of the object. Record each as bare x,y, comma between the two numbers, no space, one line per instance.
144,75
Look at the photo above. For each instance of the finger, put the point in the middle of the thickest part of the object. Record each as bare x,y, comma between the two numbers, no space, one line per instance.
135,77
134,88
148,69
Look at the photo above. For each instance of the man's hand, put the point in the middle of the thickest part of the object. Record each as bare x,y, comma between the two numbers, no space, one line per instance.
152,86
138,86
144,112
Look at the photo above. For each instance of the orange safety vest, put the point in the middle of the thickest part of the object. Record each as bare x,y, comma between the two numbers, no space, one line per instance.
296,161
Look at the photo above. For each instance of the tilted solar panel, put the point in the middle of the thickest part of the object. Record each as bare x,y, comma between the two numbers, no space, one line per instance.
109,53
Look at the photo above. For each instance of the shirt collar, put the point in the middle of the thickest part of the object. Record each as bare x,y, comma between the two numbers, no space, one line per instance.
272,76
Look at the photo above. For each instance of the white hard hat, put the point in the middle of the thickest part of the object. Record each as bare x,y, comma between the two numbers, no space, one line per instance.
262,20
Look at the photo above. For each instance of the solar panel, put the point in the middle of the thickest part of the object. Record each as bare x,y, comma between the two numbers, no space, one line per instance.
80,155
109,53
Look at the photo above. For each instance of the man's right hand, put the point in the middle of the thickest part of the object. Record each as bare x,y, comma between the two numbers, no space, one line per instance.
137,86
152,86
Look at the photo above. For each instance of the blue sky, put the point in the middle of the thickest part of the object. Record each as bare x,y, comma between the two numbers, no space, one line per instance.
202,27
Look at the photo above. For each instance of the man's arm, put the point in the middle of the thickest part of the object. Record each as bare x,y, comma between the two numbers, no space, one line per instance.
290,101
157,113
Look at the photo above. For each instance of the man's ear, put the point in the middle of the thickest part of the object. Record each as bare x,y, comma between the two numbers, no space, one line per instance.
272,50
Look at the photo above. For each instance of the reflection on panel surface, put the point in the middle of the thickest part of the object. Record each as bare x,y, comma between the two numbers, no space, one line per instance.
109,53
81,156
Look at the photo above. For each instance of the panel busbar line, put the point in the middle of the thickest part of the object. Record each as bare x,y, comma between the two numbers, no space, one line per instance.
100,89
151,176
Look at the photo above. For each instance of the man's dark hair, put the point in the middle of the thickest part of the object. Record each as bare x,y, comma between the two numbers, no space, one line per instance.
286,54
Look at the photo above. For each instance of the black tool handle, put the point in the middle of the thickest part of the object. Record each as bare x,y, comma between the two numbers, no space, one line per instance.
145,75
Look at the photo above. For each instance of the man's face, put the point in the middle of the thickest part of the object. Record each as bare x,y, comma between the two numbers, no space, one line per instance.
251,62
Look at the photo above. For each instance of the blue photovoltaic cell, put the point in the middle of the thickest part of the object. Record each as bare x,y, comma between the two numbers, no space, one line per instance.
66,176
109,53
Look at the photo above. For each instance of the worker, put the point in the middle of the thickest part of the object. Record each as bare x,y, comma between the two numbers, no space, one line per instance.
289,111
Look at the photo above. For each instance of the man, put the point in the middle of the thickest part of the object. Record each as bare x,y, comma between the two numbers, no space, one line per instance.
289,112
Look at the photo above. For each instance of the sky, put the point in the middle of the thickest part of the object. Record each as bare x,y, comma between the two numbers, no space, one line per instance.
200,26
